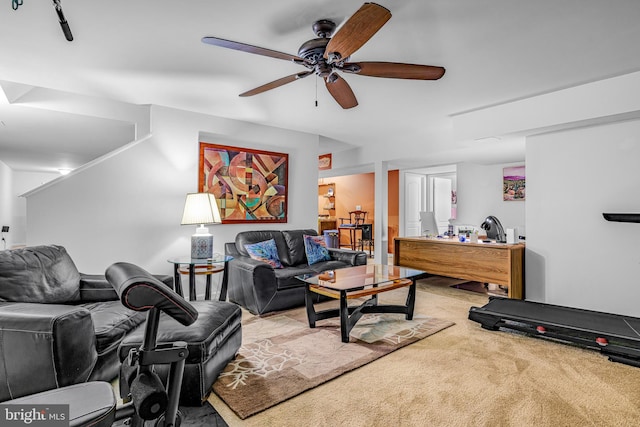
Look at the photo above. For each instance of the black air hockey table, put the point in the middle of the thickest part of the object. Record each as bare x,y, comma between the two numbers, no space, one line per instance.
615,336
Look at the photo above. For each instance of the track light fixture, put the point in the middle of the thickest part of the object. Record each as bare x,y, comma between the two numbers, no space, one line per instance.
56,5
63,22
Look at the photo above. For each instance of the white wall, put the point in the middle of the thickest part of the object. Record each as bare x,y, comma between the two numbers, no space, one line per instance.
574,257
6,201
13,208
480,195
24,182
129,206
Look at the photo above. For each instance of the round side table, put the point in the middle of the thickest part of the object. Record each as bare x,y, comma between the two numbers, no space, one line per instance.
200,266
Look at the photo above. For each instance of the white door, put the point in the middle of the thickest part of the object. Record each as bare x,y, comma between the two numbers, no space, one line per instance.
413,202
442,202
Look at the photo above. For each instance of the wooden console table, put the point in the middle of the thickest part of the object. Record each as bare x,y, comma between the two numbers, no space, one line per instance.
498,263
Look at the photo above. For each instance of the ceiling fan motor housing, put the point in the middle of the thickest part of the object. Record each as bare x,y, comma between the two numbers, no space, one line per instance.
313,50
323,28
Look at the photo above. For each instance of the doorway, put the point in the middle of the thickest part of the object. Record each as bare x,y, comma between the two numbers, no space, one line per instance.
441,196
428,189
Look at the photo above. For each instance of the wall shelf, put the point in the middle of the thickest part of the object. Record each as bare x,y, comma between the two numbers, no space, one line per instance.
622,217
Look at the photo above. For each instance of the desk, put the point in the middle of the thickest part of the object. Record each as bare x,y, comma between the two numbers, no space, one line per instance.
498,263
196,266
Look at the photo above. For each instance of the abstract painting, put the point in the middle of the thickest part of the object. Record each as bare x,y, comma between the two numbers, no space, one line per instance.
513,183
249,185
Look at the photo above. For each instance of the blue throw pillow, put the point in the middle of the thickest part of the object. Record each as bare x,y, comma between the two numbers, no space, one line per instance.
316,249
266,252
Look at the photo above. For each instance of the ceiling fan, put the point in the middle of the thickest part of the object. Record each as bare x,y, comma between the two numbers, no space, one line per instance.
326,55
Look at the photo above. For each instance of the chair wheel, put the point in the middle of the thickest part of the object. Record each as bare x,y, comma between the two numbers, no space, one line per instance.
160,420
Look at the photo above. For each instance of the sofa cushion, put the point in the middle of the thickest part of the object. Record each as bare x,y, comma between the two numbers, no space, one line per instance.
265,251
294,240
112,322
39,274
315,249
249,237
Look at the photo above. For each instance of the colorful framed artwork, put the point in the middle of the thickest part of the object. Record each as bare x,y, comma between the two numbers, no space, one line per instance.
513,183
250,186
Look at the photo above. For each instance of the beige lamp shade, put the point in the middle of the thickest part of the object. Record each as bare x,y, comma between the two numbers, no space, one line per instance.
200,208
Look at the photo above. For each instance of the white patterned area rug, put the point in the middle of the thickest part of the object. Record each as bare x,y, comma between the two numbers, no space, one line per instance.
282,357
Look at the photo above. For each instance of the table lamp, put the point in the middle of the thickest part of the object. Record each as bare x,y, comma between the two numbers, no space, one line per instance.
201,208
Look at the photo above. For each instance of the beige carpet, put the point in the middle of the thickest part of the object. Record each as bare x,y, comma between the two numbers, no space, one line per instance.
282,357
466,376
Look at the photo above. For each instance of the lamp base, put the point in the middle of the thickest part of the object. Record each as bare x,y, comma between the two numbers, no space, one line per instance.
202,244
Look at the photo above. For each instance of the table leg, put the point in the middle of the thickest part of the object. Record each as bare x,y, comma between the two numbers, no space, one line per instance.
192,282
207,291
344,317
177,282
224,283
411,300
311,312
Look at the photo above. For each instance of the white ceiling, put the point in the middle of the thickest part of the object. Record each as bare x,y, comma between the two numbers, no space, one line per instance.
149,52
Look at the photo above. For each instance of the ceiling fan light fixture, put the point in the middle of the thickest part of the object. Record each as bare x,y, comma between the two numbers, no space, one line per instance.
323,69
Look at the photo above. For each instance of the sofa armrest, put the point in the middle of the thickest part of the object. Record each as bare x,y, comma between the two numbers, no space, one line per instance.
252,283
348,256
95,287
231,250
44,346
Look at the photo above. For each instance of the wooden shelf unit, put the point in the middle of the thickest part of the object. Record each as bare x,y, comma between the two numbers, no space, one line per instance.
326,207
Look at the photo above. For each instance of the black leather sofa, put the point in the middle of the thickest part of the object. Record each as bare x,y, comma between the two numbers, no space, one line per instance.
57,326
261,288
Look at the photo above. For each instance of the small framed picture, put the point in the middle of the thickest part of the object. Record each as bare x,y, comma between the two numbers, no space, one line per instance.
513,183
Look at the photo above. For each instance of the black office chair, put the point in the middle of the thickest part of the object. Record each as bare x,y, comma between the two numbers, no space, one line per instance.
94,403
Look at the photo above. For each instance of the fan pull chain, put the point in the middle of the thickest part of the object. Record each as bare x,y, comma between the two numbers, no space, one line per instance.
316,91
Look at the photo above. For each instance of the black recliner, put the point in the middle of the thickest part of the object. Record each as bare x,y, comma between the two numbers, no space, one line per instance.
94,403
69,323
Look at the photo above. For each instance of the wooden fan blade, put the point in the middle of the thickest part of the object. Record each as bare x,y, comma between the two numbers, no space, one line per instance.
357,30
394,70
276,83
341,92
250,49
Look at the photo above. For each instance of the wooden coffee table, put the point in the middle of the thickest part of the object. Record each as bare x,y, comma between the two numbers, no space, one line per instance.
357,282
